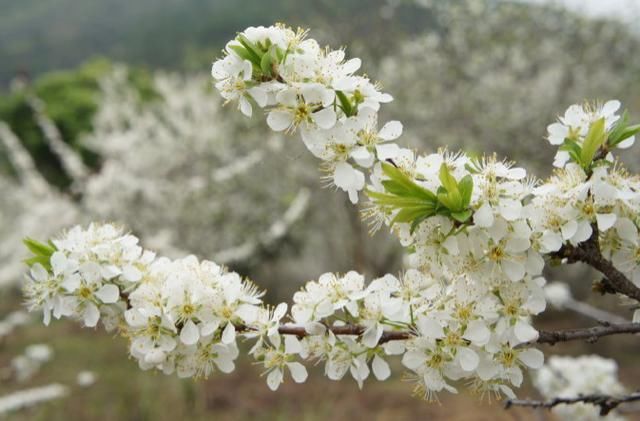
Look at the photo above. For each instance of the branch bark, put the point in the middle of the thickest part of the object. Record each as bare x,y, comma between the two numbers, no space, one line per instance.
606,403
353,330
589,252
590,334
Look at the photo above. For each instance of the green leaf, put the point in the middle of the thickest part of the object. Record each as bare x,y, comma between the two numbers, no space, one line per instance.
265,65
417,222
449,194
447,180
243,53
462,216
625,134
38,248
449,202
397,201
345,103
595,138
412,214
252,49
466,188
618,128
404,183
44,261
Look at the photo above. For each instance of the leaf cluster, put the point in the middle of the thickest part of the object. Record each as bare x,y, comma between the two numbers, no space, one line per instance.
41,252
265,57
414,204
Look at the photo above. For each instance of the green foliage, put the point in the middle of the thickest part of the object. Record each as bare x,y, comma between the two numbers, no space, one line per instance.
264,58
71,100
622,131
596,137
41,252
583,155
414,203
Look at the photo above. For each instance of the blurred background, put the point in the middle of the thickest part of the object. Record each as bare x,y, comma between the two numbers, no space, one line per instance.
107,113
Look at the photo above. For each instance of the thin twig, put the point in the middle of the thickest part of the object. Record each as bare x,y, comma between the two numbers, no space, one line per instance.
606,402
590,334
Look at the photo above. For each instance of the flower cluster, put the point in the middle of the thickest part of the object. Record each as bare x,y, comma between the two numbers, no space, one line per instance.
83,273
456,332
569,377
477,231
313,89
573,129
183,317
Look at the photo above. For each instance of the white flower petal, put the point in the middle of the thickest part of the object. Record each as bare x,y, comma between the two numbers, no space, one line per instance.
190,333
279,120
292,345
468,359
380,368
514,270
430,328
605,220
274,379
91,315
325,118
524,332
483,217
532,358
39,273
390,131
298,372
229,334
58,262
477,332
108,294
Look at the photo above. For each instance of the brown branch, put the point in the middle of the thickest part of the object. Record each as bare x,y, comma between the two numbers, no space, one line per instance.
352,330
589,252
606,403
590,334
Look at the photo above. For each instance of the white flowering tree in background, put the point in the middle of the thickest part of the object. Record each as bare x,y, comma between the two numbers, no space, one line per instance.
189,180
504,79
478,233
181,203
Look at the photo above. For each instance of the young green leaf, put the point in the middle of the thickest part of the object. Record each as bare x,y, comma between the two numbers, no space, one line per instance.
625,134
466,188
595,138
265,65
345,104
404,185
447,180
252,50
38,248
462,216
